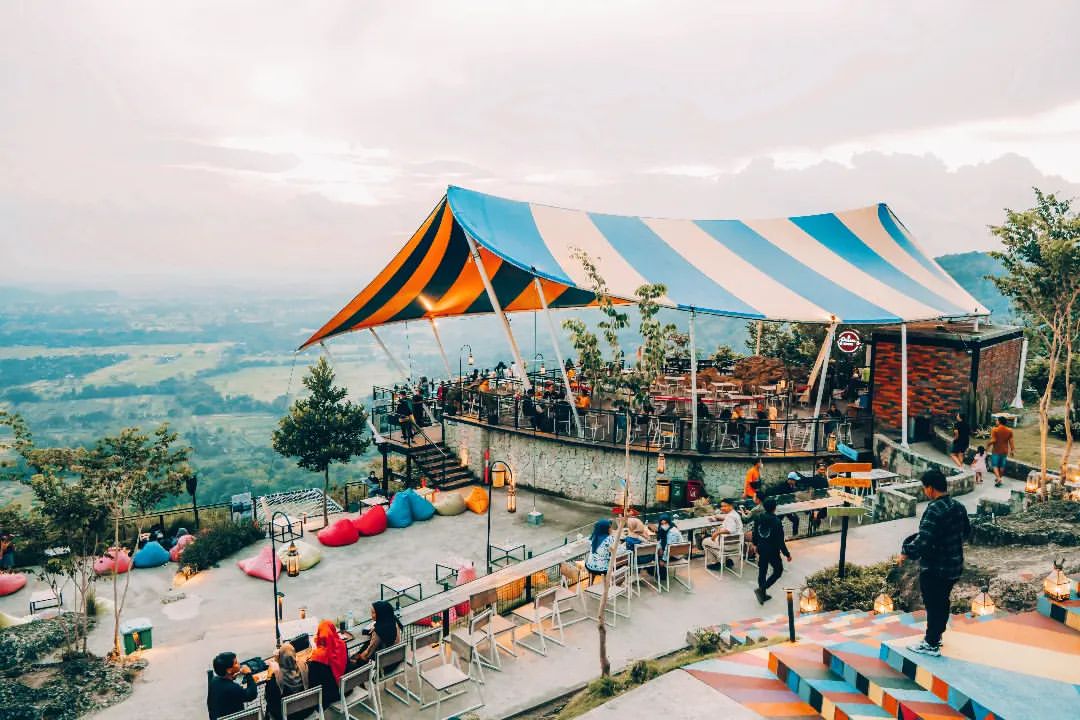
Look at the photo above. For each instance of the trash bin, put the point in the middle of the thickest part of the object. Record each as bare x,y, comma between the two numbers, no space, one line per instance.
663,490
695,490
678,492
138,635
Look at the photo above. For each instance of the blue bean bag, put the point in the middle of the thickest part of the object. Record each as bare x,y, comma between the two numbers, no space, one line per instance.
400,513
421,507
150,555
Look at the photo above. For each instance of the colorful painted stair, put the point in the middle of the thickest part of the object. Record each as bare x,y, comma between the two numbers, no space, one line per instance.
745,678
801,668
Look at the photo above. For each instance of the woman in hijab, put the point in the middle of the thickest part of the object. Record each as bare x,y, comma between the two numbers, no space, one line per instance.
600,546
327,662
636,533
286,679
385,633
666,536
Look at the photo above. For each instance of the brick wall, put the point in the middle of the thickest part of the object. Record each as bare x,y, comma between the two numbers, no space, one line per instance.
937,377
999,367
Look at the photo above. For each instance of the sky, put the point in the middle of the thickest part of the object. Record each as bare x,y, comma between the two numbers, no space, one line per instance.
148,144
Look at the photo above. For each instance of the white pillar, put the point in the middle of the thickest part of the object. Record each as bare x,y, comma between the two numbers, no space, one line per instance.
824,373
493,298
693,383
394,360
903,385
1018,401
442,351
558,356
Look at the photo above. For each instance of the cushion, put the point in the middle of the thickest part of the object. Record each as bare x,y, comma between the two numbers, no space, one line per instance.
477,501
450,503
371,522
400,514
11,582
263,566
182,542
340,533
309,554
115,560
421,507
150,555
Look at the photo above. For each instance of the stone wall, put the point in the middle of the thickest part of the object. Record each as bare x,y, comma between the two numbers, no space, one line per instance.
937,378
592,473
911,465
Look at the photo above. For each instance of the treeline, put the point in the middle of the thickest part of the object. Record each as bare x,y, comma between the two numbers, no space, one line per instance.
21,371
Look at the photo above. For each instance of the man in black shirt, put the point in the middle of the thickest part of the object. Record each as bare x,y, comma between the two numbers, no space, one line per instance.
961,440
769,540
223,695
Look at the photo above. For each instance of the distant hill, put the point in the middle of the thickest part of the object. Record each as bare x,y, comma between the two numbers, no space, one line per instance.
970,269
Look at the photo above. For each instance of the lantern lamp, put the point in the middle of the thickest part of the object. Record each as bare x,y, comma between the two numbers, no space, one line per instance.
470,360
1032,484
808,602
983,604
511,495
661,464
1056,586
292,560
188,572
883,603
498,475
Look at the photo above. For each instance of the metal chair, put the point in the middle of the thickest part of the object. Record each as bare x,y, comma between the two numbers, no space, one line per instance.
423,647
763,438
545,606
488,599
843,433
731,548
594,425
620,588
644,558
357,688
678,558
725,439
447,676
479,633
571,576
306,700
251,713
392,657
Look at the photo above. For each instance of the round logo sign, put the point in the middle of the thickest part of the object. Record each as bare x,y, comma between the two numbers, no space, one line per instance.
848,341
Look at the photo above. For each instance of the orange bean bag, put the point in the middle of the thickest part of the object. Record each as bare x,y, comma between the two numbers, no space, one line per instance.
477,500
340,533
11,582
115,560
263,566
373,522
178,548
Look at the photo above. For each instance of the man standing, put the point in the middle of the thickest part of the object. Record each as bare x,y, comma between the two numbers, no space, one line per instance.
752,483
1001,447
961,439
223,695
404,413
939,548
732,525
769,541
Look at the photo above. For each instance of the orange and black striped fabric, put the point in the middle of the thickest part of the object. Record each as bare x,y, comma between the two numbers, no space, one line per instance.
433,276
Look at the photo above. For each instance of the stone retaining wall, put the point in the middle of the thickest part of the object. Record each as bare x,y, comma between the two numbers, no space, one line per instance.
901,499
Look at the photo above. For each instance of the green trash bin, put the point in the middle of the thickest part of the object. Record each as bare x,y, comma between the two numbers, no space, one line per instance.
138,634
678,493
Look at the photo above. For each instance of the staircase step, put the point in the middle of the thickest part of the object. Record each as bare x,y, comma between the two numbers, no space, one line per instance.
745,678
801,667
1066,612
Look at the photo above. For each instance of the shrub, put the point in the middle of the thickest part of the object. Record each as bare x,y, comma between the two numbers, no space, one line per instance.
641,672
215,544
603,687
91,603
857,590
707,641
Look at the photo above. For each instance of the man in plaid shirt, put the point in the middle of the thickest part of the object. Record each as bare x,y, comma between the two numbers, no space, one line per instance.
939,548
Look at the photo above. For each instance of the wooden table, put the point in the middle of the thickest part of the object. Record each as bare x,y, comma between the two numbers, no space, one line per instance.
436,604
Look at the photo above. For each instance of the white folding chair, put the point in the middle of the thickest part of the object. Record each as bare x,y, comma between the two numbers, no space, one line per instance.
678,558
763,438
301,701
423,646
569,590
731,548
644,558
390,665
545,606
594,425
447,676
620,588
725,439
665,434
251,713
357,689
497,625
843,433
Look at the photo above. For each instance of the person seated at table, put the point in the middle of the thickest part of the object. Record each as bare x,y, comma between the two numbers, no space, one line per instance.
835,417
666,536
223,695
733,525
725,414
374,487
327,662
385,632
285,679
530,412
636,533
703,410
583,400
601,546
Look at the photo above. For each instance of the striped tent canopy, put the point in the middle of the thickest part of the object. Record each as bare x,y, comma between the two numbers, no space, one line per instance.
856,267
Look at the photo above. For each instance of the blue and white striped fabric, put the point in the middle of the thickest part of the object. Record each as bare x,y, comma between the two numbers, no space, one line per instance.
857,266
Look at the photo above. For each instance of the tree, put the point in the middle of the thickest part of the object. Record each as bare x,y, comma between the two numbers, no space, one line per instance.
322,428
1041,261
725,356
131,473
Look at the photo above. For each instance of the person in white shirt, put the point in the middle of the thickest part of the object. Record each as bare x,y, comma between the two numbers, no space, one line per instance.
732,525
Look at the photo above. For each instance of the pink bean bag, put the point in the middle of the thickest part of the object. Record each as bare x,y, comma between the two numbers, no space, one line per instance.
178,548
340,533
263,566
11,582
114,560
372,522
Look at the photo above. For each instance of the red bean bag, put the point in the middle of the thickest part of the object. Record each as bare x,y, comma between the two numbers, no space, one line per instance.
372,522
178,548
11,582
263,566
340,533
115,560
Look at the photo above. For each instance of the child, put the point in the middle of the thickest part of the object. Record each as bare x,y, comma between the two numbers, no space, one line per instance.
978,463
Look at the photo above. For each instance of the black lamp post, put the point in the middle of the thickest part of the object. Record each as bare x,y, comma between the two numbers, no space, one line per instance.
500,466
192,485
287,535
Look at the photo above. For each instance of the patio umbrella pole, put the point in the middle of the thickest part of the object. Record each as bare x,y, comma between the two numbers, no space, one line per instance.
558,356
903,385
823,374
494,299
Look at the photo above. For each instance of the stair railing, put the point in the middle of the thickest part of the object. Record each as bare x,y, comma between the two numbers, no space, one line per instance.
442,453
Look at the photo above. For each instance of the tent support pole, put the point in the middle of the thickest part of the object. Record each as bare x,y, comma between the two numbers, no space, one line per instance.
498,311
826,351
1018,401
558,356
903,386
393,360
757,343
442,351
693,383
